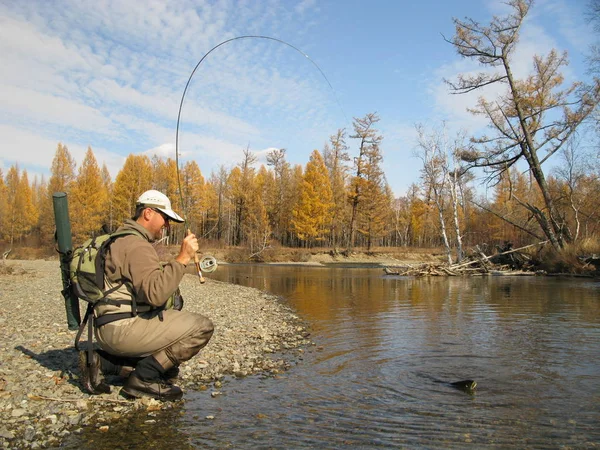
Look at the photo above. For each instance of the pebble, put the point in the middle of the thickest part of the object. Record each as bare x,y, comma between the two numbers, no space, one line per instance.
39,377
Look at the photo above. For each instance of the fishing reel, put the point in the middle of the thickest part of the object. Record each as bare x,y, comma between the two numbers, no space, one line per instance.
208,264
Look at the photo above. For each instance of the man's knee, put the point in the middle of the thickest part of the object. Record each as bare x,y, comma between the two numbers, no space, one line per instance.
204,326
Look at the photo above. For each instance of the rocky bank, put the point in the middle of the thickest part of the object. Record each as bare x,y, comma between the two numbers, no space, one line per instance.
41,400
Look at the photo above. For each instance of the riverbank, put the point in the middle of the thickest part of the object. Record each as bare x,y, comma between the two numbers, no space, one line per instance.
41,400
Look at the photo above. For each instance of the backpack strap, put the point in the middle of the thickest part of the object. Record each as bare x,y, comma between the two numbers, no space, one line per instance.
102,252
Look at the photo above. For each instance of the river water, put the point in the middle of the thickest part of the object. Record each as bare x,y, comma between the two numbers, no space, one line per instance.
387,348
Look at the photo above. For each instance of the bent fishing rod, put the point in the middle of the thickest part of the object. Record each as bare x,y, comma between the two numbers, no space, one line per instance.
209,264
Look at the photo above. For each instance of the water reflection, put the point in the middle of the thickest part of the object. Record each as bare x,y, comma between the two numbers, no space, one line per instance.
386,349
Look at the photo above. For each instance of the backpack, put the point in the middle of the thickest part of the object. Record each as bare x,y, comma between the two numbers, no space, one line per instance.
86,269
86,274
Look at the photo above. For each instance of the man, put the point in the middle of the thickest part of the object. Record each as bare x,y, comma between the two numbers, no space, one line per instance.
138,336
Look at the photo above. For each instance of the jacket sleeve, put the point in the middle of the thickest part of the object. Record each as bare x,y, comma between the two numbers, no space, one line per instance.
152,283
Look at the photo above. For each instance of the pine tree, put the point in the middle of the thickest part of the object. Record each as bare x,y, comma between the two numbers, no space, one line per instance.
312,214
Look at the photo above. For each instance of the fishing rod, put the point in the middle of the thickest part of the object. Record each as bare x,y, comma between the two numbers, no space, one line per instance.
211,264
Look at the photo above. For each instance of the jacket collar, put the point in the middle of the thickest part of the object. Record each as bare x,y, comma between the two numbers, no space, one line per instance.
132,224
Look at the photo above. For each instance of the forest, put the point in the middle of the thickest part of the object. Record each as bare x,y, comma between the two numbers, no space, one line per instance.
340,199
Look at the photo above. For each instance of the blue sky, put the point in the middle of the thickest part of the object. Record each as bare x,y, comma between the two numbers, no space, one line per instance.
110,75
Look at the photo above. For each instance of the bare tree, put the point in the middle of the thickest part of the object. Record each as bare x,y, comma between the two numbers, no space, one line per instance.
572,173
532,119
441,177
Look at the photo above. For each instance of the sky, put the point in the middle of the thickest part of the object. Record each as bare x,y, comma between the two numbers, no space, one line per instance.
111,75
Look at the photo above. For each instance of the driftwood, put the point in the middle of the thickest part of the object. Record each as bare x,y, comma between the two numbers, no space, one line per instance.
479,264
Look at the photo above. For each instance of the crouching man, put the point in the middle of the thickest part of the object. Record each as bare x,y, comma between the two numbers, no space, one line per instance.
138,336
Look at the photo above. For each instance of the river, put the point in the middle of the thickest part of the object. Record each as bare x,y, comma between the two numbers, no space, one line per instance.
386,349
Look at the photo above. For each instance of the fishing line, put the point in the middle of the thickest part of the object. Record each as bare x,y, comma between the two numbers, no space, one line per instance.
183,206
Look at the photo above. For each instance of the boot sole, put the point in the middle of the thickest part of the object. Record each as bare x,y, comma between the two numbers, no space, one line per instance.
134,393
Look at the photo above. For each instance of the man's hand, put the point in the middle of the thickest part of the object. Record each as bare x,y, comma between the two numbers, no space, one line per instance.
188,249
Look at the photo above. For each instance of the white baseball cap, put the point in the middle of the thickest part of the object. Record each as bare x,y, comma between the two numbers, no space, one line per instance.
158,200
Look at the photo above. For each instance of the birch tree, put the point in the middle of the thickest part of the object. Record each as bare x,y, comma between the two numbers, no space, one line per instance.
434,174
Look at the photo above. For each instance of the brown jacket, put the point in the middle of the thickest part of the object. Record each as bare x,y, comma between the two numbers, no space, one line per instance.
134,260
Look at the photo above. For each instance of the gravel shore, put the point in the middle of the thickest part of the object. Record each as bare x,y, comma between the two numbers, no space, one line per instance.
41,400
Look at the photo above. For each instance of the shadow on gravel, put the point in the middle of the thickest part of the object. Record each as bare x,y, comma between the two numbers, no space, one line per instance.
63,360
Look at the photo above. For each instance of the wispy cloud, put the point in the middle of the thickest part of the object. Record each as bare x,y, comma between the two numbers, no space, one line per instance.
111,74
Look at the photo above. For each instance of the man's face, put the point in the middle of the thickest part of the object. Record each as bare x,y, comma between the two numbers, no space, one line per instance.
158,221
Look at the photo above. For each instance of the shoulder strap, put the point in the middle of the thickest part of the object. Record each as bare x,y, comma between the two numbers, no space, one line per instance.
101,256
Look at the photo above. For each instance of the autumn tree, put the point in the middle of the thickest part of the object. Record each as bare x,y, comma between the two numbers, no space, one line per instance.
89,199
107,185
375,210
280,209
217,205
132,180
3,207
62,176
336,158
256,227
443,178
164,179
21,215
532,118
194,196
368,150
312,213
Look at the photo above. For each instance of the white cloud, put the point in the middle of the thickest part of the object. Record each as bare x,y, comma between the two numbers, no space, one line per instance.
39,107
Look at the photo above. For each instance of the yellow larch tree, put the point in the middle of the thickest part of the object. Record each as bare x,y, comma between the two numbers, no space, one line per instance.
107,185
88,200
62,175
194,196
335,155
27,213
256,226
10,219
165,180
134,178
312,214
21,216
3,207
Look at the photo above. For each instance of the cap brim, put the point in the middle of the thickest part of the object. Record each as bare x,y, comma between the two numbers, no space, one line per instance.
172,215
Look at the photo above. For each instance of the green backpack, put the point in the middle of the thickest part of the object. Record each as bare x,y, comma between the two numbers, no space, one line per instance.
86,269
